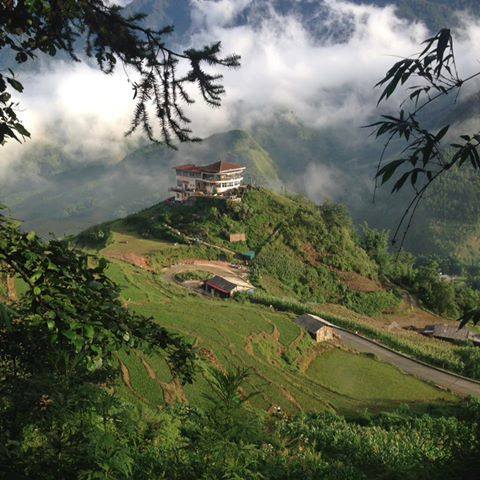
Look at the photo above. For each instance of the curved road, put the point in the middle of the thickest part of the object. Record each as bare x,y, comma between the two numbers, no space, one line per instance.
454,383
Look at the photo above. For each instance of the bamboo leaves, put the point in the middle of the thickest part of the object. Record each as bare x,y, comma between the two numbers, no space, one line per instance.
421,154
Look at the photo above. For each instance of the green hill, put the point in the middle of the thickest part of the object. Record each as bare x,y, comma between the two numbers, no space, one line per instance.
307,259
302,250
306,254
52,190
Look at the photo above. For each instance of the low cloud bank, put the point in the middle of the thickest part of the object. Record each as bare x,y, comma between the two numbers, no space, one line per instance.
324,75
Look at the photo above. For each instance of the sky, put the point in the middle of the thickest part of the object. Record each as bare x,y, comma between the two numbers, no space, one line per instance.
284,67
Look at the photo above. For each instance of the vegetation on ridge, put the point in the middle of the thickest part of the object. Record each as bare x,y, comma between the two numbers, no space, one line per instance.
301,249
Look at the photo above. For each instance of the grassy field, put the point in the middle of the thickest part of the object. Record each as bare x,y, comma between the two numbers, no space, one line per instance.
287,368
363,377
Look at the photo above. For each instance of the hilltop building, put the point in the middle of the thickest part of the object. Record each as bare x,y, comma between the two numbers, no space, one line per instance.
318,328
216,179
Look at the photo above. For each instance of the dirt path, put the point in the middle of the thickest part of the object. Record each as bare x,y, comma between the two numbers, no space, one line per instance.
172,392
187,239
132,259
128,381
223,269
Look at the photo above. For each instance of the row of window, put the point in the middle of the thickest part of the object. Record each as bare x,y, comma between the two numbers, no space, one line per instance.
208,176
229,184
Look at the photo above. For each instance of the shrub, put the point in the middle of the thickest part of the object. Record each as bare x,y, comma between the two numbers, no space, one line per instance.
95,237
371,304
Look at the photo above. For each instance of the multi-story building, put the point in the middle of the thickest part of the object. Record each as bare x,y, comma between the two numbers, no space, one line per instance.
208,180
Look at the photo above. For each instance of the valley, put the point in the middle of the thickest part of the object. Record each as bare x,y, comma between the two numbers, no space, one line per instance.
160,257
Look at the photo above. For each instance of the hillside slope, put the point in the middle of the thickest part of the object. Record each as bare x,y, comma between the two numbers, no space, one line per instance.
307,260
301,250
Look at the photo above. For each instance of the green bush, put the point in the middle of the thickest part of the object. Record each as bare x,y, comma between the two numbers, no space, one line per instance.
371,304
95,237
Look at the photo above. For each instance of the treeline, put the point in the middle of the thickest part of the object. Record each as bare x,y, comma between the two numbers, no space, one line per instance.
446,295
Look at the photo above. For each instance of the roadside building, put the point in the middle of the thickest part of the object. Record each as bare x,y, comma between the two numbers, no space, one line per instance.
226,287
318,328
451,333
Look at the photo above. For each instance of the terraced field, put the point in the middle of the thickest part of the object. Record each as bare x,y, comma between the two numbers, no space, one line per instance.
287,368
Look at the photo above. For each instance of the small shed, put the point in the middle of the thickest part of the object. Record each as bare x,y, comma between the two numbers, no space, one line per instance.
449,333
250,255
318,328
237,237
226,287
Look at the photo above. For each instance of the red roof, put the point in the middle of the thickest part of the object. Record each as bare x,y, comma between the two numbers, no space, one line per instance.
216,167
188,168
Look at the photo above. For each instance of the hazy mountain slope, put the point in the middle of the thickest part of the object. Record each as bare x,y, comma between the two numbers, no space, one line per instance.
435,14
61,193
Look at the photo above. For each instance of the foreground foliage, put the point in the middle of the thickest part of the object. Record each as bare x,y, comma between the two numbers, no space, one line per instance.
228,440
58,343
104,33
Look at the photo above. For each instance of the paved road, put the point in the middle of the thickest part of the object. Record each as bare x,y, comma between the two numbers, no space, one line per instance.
460,386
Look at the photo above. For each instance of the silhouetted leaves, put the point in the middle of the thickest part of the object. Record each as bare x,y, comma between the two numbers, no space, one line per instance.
50,27
423,156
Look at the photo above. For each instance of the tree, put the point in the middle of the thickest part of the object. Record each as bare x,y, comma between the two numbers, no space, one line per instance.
422,155
58,361
29,27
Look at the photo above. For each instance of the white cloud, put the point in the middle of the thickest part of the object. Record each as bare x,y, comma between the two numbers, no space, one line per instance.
322,79
214,13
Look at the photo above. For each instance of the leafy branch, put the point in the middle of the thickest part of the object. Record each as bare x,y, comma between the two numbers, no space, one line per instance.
106,35
426,155
70,306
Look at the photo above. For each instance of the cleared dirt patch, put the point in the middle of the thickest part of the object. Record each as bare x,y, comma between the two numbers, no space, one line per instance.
132,259
359,283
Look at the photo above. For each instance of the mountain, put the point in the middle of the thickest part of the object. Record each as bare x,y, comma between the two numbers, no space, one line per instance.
59,192
435,14
302,250
53,191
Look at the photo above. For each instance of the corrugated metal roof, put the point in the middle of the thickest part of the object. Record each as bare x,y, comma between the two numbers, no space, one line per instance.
448,331
220,283
312,323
